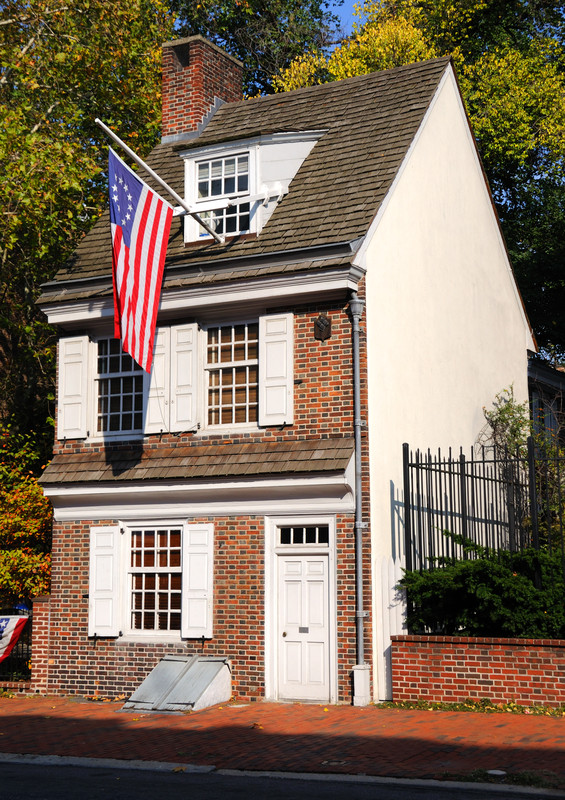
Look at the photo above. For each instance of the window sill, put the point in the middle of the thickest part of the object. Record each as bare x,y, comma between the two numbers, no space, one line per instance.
154,638
207,240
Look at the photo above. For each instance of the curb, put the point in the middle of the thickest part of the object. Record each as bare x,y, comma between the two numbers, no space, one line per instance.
168,766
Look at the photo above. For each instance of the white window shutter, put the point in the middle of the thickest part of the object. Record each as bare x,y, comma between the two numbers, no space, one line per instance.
157,393
72,406
197,581
184,377
104,587
276,369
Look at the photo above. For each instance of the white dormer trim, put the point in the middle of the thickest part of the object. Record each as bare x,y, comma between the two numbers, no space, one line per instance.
274,160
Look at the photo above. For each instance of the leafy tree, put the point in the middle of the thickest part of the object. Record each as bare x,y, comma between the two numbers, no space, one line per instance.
510,57
266,35
61,65
25,520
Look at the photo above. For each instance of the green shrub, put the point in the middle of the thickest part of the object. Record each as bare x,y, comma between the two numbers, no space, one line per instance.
502,595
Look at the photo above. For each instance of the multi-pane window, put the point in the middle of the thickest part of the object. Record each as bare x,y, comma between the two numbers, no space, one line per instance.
155,575
226,178
120,389
304,534
232,367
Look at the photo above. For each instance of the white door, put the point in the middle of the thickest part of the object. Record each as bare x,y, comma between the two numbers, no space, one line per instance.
303,628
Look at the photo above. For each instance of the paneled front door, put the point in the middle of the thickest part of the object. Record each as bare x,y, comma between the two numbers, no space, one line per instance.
303,628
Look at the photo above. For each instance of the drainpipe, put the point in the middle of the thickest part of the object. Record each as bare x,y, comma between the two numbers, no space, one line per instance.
361,671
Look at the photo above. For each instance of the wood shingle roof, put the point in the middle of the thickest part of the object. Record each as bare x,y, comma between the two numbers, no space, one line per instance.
369,123
192,462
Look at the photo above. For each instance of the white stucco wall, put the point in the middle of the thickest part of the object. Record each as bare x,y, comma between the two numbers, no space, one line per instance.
445,326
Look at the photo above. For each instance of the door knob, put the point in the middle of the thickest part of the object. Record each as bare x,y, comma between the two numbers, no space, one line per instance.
284,634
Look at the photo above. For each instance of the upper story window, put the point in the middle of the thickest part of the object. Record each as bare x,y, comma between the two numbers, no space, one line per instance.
120,389
233,374
226,374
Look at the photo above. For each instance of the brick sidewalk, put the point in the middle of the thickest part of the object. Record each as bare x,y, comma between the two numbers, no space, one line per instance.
294,738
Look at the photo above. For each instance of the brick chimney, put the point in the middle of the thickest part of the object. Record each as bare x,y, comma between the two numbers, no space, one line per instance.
197,77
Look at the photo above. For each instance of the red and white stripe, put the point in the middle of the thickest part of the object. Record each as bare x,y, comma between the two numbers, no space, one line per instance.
138,275
10,630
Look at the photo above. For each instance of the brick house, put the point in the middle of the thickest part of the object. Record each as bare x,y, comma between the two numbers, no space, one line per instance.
245,499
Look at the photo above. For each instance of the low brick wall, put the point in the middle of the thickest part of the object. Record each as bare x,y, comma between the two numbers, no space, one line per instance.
451,669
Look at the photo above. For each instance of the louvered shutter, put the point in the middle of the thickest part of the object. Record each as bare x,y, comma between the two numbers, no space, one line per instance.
184,377
276,369
104,588
72,406
157,395
197,581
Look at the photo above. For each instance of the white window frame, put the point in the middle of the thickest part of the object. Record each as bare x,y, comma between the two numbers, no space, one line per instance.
193,231
208,368
110,590
108,376
132,571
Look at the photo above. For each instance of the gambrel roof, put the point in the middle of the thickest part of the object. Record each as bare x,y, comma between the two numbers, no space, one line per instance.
369,123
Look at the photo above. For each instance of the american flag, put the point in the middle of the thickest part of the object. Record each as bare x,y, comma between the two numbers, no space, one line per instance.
140,222
10,629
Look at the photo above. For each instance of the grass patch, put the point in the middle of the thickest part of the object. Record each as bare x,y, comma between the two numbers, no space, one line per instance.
484,705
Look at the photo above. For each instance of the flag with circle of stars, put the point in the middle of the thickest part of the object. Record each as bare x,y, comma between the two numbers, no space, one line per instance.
140,221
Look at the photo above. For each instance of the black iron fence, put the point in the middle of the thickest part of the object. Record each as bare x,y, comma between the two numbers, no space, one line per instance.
457,506
17,666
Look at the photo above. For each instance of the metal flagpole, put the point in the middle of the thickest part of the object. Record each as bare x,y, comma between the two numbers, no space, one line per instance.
160,181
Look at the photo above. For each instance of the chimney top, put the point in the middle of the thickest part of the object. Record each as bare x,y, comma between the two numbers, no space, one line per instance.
198,77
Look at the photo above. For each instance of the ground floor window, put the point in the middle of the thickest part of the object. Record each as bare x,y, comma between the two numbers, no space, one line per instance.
151,580
155,579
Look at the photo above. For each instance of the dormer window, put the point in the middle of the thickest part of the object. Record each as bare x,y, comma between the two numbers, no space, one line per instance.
226,179
236,187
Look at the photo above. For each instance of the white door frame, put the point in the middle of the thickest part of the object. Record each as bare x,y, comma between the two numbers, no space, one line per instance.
272,551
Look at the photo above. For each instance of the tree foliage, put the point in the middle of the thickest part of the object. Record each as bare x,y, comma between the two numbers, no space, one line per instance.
25,520
266,35
510,58
61,65
495,594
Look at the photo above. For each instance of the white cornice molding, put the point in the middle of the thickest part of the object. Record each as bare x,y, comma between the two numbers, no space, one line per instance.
256,291
315,493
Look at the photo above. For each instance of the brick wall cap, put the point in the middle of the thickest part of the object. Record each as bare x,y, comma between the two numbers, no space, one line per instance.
199,38
477,640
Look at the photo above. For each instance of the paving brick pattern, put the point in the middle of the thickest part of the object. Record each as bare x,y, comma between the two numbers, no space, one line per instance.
296,738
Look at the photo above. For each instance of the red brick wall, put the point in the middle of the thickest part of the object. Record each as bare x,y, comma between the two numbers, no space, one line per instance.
452,669
195,74
323,390
323,407
40,644
111,667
